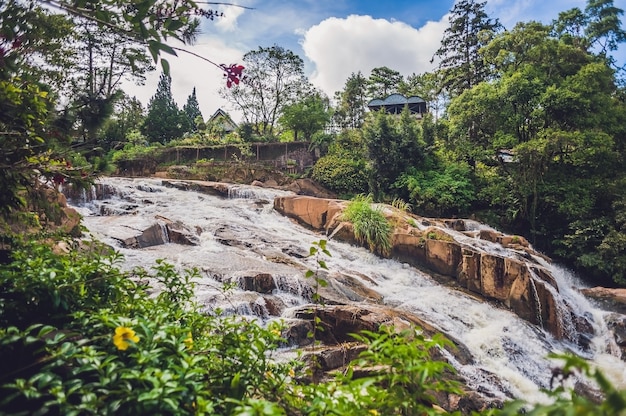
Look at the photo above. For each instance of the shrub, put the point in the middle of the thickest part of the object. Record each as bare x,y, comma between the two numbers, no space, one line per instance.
79,337
370,225
341,175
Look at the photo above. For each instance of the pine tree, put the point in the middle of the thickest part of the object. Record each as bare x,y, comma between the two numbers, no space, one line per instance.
165,121
192,110
461,63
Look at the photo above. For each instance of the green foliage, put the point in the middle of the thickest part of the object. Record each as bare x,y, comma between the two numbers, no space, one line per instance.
370,224
445,192
308,116
274,79
340,174
135,152
393,145
80,336
350,111
470,29
567,401
192,110
399,377
164,121
383,82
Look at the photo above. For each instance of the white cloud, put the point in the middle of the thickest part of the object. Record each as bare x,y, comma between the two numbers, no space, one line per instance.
338,47
228,22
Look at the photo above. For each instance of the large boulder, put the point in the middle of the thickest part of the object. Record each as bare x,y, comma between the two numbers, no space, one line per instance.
313,212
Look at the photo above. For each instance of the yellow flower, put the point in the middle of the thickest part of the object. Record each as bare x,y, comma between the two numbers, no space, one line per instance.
373,412
292,373
188,341
122,337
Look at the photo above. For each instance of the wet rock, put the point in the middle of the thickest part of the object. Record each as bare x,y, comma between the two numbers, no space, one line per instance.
328,358
152,236
257,282
513,279
275,306
610,299
313,212
206,187
178,233
616,322
297,332
162,232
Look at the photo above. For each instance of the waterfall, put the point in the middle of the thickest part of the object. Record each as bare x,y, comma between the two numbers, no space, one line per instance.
536,301
244,233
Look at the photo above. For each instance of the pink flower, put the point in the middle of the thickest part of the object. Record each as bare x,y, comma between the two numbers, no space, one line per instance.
233,74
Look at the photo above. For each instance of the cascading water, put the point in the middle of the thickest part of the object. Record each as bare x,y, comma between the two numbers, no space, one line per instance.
246,234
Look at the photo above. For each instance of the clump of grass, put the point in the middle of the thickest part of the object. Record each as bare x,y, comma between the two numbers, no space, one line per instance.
401,205
370,225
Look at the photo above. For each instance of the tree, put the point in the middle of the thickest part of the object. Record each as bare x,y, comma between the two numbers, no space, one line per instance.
460,62
192,110
102,59
382,82
164,121
275,78
128,116
597,29
425,86
33,66
554,104
307,116
393,145
352,101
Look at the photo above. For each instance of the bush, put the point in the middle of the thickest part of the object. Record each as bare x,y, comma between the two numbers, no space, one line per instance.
79,336
341,175
446,192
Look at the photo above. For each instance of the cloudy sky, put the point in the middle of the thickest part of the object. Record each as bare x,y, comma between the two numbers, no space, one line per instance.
334,38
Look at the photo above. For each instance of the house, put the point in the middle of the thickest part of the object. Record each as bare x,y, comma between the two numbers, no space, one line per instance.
395,103
222,118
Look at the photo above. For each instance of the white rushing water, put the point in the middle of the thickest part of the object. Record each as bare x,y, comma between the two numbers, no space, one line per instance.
244,233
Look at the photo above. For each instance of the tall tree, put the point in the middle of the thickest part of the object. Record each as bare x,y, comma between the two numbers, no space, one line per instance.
275,78
192,110
164,121
556,106
425,86
460,62
351,102
393,146
102,58
307,116
382,82
34,64
128,116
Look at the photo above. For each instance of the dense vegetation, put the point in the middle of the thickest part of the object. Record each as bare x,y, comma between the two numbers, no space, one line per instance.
527,130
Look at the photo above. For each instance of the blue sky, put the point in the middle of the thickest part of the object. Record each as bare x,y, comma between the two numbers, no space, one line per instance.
334,38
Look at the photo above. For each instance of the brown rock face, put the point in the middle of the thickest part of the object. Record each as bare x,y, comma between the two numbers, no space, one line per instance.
443,246
313,212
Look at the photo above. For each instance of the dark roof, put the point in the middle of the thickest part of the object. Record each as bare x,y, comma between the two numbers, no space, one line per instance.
396,102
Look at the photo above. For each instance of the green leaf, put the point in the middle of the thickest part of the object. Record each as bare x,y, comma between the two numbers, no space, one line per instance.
166,66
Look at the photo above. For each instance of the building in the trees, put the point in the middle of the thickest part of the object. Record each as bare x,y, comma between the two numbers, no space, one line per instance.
395,103
222,118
